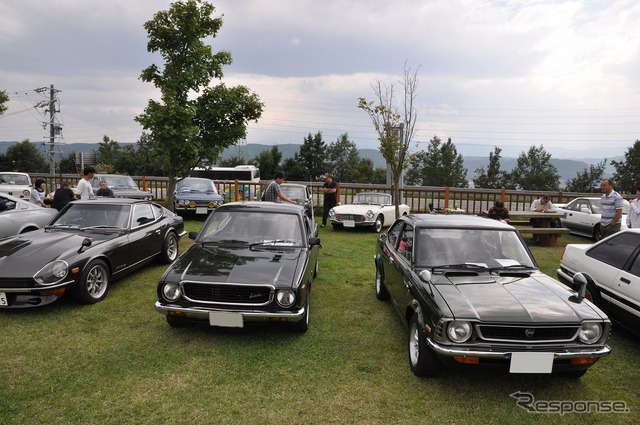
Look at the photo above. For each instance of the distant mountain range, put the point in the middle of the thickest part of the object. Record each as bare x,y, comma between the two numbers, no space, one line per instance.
567,168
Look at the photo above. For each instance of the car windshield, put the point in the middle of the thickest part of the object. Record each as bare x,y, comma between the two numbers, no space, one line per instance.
196,186
252,228
293,192
372,199
479,247
98,215
120,182
14,179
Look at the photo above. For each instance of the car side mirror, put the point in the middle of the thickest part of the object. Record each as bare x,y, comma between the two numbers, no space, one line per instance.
581,280
314,241
425,276
86,243
193,235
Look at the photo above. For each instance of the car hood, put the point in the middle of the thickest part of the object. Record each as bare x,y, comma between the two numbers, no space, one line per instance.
238,265
355,209
23,255
516,298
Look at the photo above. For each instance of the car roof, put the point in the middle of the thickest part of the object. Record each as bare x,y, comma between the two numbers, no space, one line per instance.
262,206
457,221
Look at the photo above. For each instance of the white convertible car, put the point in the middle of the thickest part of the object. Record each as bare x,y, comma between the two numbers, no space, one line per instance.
614,265
372,209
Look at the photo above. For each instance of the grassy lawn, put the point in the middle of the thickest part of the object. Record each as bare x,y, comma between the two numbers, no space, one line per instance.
118,362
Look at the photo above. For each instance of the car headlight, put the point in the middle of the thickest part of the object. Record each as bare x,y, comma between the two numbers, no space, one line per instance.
590,332
171,291
26,193
332,213
285,297
52,273
459,331
370,215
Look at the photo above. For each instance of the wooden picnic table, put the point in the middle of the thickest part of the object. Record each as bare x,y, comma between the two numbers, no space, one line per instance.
547,235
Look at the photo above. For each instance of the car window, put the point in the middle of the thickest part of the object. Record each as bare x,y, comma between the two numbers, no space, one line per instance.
6,204
158,211
394,232
142,214
405,245
617,250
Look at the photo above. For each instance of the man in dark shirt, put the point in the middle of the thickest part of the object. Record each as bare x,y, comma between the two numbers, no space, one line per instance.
104,190
499,212
330,189
62,196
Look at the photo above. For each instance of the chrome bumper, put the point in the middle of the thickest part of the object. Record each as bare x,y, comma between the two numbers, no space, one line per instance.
452,352
247,315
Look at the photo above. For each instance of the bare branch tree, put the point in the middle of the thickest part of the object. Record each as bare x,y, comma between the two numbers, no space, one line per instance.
395,127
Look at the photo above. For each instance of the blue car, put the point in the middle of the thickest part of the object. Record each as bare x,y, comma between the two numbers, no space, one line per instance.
196,196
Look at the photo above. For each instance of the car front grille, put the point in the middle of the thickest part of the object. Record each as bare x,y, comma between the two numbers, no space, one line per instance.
17,283
228,294
528,334
355,217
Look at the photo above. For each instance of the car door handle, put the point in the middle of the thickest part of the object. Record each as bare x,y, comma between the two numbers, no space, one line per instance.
158,232
625,280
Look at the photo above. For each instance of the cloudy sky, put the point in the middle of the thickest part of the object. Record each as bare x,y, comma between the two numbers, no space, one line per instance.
562,74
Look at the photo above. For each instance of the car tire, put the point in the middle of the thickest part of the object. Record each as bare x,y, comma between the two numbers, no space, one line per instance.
381,291
169,249
597,233
377,226
303,325
336,226
573,374
422,360
175,321
94,282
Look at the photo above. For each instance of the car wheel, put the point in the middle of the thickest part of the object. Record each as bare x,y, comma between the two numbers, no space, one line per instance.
381,291
336,226
573,374
597,233
377,226
175,321
422,359
169,249
303,325
94,282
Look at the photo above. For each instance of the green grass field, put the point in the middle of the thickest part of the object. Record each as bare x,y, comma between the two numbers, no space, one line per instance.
118,362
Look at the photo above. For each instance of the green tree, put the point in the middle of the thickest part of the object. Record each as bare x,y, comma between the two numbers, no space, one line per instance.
343,159
296,171
268,161
534,171
627,174
588,179
395,127
148,161
365,172
189,130
4,98
25,157
493,177
232,161
67,165
439,165
313,156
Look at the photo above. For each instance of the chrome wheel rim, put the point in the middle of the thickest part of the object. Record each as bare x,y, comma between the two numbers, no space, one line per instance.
414,348
172,248
97,282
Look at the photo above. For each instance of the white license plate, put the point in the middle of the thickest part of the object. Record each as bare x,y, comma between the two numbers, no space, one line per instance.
531,362
201,210
228,320
3,299
349,223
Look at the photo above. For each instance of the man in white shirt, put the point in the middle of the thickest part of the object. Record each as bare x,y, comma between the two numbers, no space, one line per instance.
84,186
633,218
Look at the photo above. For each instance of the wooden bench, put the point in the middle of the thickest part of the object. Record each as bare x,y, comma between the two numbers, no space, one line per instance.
548,236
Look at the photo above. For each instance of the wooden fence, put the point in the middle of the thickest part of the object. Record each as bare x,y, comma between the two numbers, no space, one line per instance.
419,198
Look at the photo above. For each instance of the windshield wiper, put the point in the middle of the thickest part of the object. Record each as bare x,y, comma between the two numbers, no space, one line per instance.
62,226
100,227
274,242
512,267
460,266
226,241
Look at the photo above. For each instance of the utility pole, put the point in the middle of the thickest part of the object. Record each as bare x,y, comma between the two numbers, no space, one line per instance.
54,129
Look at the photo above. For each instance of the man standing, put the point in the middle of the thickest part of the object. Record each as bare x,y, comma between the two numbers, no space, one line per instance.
330,189
62,196
633,218
611,203
272,193
84,186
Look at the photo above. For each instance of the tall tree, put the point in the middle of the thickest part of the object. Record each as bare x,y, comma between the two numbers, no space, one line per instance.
588,179
187,130
268,161
25,157
395,126
4,98
365,172
439,165
313,156
534,171
493,177
67,165
627,174
343,159
295,170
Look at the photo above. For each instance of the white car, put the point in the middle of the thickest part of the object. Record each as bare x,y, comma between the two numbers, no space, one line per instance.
614,265
20,216
582,217
373,209
15,184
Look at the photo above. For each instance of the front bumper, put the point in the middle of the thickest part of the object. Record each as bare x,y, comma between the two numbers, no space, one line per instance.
352,223
32,297
202,314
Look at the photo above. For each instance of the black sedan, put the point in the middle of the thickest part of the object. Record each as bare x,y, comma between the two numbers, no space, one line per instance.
84,248
470,292
251,262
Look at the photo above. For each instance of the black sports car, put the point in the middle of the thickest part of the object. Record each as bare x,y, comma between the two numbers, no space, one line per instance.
251,262
470,292
86,246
